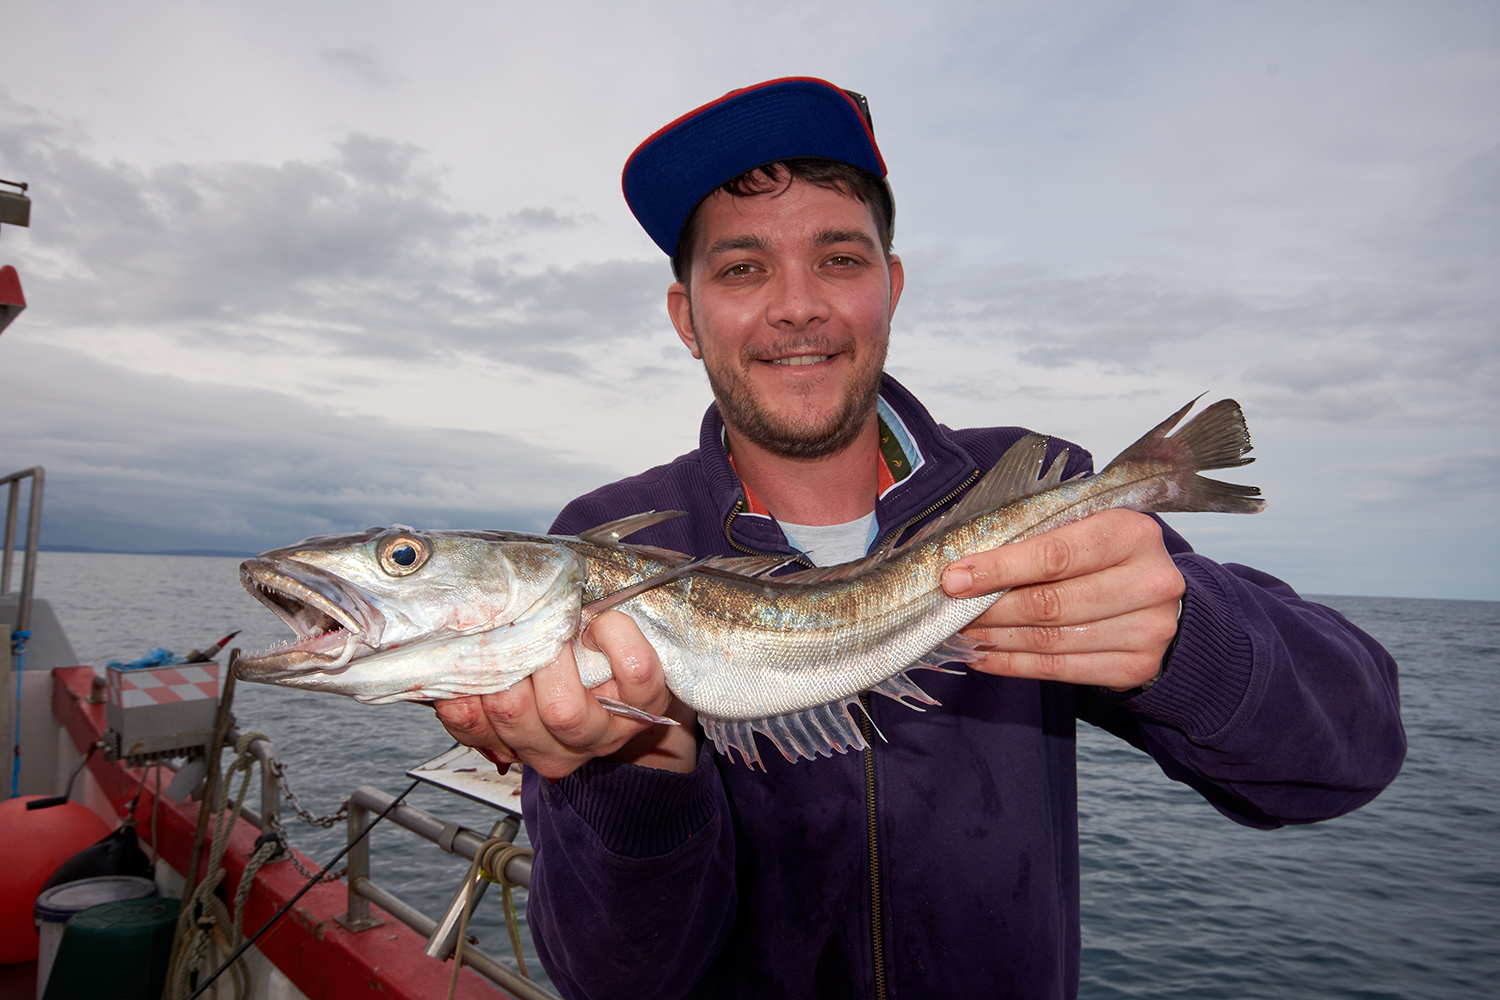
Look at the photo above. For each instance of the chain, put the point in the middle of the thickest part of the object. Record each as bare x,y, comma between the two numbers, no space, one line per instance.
306,816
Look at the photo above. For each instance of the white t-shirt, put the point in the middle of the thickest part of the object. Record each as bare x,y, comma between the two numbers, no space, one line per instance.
831,544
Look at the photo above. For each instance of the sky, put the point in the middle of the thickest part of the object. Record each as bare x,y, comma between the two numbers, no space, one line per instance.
300,268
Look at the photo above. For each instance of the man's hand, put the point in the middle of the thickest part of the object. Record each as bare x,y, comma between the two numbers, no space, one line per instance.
1093,602
551,724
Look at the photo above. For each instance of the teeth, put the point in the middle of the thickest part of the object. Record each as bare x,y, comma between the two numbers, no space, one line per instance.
802,359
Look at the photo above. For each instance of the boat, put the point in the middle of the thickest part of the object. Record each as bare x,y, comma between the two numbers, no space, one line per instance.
105,742
341,938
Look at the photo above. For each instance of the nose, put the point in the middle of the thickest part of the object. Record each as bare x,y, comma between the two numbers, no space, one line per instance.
797,300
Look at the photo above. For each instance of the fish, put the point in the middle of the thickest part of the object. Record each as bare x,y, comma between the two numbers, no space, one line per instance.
400,614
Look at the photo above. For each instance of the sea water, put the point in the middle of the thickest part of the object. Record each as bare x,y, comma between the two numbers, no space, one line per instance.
1399,899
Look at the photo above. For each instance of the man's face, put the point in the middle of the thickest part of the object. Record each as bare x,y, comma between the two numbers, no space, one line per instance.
790,312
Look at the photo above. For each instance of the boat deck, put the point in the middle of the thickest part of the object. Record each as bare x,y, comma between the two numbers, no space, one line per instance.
316,954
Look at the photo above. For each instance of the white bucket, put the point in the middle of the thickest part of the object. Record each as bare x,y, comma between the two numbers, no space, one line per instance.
57,905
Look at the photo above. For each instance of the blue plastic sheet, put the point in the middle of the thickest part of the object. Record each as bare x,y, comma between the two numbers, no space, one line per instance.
161,656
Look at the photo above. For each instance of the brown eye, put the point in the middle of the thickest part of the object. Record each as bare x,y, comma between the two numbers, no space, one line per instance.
401,555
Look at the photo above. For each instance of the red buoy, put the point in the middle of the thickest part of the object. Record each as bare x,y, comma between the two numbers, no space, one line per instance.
33,843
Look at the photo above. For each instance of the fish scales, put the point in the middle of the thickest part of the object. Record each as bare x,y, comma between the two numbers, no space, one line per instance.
398,614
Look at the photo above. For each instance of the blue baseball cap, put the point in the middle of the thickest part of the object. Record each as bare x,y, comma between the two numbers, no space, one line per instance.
682,163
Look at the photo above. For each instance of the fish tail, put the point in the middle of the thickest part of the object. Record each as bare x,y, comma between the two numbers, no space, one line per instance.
1215,439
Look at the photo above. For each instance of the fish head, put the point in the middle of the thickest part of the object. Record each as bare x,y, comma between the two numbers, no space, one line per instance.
387,594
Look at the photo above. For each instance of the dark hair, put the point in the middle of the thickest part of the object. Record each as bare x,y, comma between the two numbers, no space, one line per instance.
857,183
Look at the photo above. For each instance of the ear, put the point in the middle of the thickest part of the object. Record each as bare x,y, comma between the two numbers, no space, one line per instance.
898,281
680,308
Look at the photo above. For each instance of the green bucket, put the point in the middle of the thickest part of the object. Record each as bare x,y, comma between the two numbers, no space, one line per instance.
118,950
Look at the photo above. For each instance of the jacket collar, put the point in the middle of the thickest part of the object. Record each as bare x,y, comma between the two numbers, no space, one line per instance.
940,469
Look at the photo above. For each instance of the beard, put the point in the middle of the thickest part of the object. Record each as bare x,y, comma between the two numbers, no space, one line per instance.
742,408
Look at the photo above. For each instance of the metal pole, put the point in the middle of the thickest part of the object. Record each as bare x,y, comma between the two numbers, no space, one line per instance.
358,918
479,961
10,534
33,537
269,813
459,840
441,942
186,918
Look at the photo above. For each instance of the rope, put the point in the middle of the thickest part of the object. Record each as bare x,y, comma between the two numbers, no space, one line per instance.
245,945
155,811
18,647
265,852
213,916
490,861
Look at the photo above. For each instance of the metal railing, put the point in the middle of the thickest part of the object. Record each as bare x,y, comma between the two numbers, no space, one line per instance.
33,537
15,642
268,816
442,934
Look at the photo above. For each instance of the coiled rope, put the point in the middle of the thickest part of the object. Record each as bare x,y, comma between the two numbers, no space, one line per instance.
490,861
204,911
314,880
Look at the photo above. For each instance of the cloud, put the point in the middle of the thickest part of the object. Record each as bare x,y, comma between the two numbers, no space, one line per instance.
362,63
1342,348
355,253
149,462
540,218
1466,475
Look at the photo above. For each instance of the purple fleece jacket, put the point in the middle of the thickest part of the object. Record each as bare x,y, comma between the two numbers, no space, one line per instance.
943,862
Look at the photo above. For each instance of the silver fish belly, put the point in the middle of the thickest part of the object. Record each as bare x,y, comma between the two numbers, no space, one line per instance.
400,614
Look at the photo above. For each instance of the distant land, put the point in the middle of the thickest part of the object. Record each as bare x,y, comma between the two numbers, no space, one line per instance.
230,553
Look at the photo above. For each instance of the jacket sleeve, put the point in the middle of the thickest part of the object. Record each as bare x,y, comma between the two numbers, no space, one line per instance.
633,879
1277,710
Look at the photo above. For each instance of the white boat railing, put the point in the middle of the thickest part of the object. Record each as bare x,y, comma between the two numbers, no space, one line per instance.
15,643
33,536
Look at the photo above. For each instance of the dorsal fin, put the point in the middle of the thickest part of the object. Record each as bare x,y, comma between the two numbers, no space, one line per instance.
670,556
1013,477
611,532
593,609
752,567
828,574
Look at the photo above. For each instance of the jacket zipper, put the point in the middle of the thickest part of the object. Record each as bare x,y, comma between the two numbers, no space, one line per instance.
893,533
897,531
797,558
877,902
877,923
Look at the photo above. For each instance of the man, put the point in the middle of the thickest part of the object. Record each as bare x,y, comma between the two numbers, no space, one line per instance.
943,861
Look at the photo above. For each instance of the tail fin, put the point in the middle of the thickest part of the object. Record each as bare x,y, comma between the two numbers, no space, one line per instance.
1215,439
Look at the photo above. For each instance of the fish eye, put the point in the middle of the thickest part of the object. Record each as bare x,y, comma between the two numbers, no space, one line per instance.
403,554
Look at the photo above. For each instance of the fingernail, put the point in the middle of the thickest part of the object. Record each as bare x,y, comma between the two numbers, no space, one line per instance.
957,579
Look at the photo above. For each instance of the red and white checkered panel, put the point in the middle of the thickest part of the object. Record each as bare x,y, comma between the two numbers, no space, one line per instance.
164,685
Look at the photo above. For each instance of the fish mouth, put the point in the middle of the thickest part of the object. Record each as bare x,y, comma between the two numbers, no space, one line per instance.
332,620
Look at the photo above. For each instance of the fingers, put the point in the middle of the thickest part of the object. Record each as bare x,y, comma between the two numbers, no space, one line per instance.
1121,653
1094,602
1070,551
549,722
632,660
639,681
467,723
1106,565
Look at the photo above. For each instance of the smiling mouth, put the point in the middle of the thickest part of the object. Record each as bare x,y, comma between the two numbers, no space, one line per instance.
802,359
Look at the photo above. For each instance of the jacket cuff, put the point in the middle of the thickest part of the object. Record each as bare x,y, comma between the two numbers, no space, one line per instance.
641,812
1207,674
